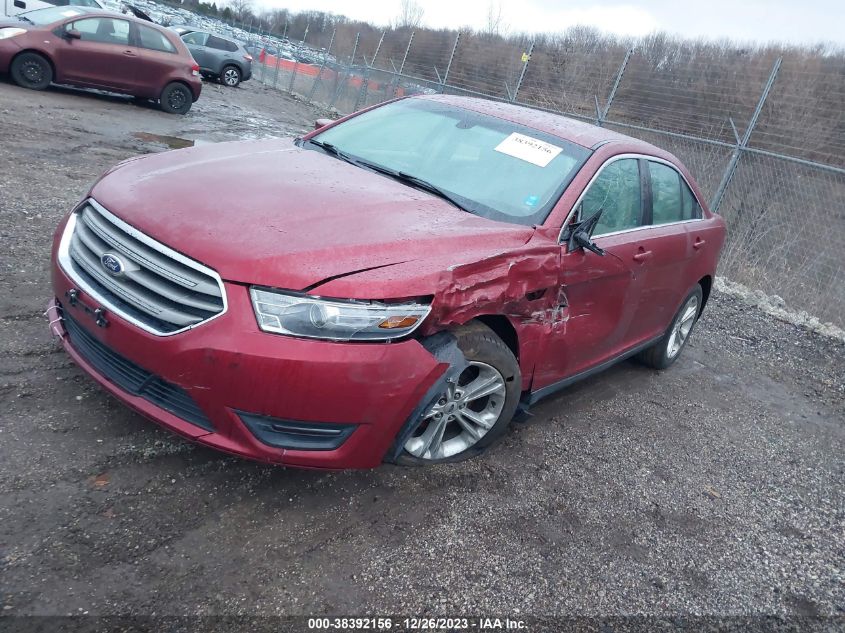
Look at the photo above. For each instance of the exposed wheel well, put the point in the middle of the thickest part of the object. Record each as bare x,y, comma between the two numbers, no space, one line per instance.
706,284
36,52
503,329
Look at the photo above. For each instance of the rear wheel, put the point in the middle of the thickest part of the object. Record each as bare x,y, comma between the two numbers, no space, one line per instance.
231,76
667,350
176,98
31,70
472,413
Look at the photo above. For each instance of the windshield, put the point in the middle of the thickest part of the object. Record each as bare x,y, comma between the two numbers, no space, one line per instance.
50,14
492,167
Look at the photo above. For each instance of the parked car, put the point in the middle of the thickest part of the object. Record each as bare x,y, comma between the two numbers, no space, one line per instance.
218,57
14,7
392,286
93,48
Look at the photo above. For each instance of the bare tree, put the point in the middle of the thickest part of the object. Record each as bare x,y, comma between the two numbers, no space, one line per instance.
494,24
410,15
241,8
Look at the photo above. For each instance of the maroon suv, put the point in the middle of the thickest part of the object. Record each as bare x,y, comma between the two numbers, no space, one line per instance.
93,48
393,286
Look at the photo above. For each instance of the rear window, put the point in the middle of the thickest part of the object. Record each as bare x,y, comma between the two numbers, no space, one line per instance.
154,40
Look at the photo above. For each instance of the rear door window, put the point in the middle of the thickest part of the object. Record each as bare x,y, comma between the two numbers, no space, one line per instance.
690,209
218,42
103,30
616,192
154,40
666,204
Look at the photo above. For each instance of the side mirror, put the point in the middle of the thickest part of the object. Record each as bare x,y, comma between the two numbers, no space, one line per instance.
73,34
321,123
577,235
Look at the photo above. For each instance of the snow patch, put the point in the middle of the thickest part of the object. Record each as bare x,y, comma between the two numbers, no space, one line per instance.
775,306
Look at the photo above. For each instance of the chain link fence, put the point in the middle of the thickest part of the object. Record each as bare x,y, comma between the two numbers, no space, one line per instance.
764,135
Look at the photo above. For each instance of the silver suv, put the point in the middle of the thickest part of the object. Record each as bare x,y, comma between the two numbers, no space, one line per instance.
218,57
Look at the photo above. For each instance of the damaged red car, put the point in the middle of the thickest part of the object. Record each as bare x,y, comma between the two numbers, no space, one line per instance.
394,286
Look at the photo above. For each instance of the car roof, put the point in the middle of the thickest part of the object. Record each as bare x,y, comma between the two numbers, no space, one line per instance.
578,132
184,30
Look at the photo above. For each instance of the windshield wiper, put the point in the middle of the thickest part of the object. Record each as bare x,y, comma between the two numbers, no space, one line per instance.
330,149
25,19
401,176
415,181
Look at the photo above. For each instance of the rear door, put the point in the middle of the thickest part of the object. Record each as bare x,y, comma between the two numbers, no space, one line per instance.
667,247
103,56
224,52
599,294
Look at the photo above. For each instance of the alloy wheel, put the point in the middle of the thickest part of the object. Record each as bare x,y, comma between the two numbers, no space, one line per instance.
230,77
682,327
462,415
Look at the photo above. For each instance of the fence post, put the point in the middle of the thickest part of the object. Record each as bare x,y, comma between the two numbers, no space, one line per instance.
402,65
602,116
362,94
526,61
278,62
743,143
319,78
341,88
296,62
449,65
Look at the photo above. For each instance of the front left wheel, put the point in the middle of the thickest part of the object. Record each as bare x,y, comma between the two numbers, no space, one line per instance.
475,410
31,70
176,98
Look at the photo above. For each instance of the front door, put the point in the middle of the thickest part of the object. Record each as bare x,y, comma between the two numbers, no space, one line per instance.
102,57
599,293
203,56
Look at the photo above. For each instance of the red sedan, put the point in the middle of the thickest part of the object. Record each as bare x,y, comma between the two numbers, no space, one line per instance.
392,287
93,48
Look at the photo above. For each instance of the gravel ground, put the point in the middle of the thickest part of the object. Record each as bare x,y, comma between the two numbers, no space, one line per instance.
713,488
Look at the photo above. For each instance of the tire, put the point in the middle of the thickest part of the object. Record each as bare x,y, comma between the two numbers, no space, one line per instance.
460,437
230,76
668,349
31,70
176,98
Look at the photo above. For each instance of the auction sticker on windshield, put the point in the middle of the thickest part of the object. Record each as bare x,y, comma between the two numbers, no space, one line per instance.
529,149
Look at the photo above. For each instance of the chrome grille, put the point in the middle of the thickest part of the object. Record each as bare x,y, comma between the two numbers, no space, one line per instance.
156,288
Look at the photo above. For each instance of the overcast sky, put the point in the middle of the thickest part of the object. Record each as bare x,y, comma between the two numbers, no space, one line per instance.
798,21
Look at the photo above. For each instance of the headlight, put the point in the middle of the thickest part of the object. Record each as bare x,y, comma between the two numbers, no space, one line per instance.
10,32
300,315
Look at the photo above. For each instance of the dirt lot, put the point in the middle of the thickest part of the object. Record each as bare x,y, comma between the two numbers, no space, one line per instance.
716,487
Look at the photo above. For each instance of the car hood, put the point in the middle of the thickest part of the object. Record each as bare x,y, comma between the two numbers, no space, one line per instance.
270,213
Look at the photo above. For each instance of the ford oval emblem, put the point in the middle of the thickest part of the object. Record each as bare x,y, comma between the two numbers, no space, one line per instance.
113,264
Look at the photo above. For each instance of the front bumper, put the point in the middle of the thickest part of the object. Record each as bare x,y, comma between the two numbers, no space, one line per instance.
231,371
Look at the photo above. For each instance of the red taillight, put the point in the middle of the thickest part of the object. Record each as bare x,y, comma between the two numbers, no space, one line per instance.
248,58
195,70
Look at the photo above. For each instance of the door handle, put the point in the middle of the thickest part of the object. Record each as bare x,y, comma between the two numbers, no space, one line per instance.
641,256
698,243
